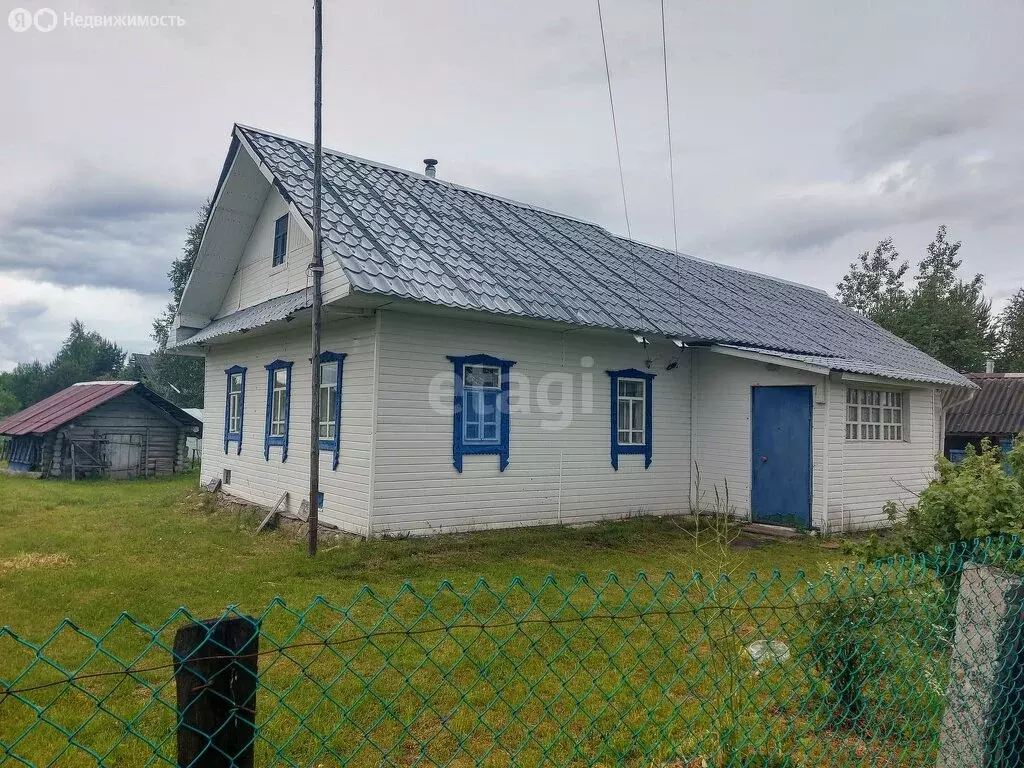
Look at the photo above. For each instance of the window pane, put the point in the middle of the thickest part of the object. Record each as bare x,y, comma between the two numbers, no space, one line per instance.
631,388
490,406
280,377
473,406
876,415
236,382
623,437
851,395
481,376
328,372
638,419
899,432
490,431
897,399
863,431
851,413
472,430
624,415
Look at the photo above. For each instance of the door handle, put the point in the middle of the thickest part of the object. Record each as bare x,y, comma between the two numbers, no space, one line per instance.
764,459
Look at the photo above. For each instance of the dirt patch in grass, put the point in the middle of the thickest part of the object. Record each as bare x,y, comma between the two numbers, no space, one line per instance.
28,561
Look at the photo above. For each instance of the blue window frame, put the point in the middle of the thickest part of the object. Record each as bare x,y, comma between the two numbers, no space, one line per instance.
279,396
632,412
331,364
234,408
481,418
280,240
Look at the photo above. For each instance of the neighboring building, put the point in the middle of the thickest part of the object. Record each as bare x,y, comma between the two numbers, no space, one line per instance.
116,429
996,412
630,370
194,444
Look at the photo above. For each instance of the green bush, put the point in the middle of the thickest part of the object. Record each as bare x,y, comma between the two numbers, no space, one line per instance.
869,644
974,499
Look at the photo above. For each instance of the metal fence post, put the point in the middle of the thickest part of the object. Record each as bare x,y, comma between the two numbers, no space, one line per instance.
215,674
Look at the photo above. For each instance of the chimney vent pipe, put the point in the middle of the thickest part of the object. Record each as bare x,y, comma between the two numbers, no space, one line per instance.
431,169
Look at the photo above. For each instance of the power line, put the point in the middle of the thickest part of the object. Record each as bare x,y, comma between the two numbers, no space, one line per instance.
618,157
671,159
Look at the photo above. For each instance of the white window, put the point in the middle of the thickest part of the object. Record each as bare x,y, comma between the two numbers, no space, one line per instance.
632,412
874,414
235,404
328,400
279,398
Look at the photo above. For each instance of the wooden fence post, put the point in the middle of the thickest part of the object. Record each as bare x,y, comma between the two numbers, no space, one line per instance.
215,673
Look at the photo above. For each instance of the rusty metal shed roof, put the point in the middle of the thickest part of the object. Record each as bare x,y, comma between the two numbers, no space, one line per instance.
997,409
68,404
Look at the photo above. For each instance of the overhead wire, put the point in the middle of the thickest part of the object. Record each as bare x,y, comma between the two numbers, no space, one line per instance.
622,176
671,163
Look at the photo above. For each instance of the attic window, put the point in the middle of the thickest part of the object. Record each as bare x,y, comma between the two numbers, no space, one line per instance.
280,240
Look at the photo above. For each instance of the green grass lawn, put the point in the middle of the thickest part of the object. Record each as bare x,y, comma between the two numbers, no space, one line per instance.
652,676
92,549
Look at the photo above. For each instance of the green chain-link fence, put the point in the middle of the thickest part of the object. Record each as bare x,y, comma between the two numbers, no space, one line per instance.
904,663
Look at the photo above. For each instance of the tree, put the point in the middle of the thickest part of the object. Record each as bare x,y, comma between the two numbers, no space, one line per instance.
181,376
84,356
1011,334
874,285
24,383
8,402
941,314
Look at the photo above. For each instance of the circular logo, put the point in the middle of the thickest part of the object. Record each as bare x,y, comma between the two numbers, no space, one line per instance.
45,19
20,20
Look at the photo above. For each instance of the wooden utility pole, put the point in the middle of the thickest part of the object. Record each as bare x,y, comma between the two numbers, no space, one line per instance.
317,268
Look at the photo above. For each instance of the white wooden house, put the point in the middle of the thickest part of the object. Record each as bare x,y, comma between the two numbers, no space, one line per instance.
494,364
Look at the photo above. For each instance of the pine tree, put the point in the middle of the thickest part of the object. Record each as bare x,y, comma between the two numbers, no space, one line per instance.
1011,335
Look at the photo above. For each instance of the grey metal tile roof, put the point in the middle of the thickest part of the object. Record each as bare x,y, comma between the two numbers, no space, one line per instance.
253,317
403,234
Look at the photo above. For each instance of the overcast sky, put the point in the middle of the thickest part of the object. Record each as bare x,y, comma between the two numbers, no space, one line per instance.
804,132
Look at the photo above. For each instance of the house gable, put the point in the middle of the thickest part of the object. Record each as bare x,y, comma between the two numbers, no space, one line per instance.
234,267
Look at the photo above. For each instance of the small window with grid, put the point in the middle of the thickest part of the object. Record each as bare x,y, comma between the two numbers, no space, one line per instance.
873,414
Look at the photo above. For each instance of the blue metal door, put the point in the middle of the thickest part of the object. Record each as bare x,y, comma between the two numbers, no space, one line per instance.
780,490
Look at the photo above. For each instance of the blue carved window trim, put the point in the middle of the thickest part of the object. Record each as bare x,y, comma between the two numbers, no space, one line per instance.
646,449
229,436
499,445
333,445
281,440
280,241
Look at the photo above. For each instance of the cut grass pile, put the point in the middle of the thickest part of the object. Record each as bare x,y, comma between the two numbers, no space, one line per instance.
641,668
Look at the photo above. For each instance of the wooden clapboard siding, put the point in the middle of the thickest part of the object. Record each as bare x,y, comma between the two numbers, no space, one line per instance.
256,280
560,464
256,479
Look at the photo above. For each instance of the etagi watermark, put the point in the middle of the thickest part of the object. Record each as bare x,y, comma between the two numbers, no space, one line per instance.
556,395
47,20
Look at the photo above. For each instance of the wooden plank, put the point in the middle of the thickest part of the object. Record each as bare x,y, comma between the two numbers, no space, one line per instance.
215,672
271,519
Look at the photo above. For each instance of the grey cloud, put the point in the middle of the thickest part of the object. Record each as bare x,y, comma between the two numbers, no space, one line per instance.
103,232
981,195
898,127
